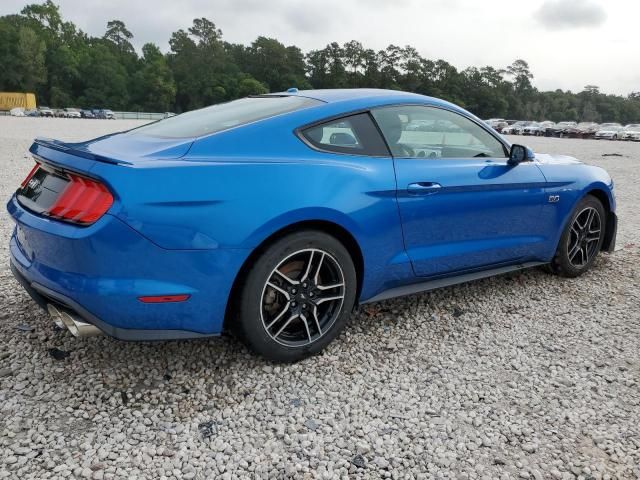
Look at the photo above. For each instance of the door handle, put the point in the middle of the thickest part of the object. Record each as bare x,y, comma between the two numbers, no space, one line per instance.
423,188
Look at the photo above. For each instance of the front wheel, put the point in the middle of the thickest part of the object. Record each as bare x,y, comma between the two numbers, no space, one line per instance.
581,239
297,296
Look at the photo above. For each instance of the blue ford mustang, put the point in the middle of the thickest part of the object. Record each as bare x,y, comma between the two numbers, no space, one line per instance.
275,214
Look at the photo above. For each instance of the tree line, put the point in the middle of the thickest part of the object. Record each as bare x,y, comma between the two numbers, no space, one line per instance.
41,52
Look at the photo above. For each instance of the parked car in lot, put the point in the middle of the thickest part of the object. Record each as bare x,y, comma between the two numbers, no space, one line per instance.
72,112
560,129
631,132
497,124
45,112
582,130
608,132
103,114
32,113
284,211
516,128
87,114
535,129
17,112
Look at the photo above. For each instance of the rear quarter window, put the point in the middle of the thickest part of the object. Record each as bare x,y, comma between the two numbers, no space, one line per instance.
352,135
224,116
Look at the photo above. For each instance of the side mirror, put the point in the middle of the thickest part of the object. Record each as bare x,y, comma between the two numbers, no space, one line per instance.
519,154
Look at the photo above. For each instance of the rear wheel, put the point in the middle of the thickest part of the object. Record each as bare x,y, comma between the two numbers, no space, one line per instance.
581,239
297,296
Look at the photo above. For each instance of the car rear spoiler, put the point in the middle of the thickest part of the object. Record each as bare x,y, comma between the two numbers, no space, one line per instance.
71,149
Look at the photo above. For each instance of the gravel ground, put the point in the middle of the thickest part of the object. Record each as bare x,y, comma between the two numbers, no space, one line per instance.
521,376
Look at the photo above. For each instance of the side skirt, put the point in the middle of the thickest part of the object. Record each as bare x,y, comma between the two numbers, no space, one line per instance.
447,281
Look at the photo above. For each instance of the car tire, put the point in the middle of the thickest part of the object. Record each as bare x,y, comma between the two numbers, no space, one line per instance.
297,296
581,239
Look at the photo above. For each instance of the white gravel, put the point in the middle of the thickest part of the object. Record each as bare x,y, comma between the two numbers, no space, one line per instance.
521,376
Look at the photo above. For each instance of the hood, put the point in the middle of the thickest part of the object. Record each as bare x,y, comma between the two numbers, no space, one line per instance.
548,159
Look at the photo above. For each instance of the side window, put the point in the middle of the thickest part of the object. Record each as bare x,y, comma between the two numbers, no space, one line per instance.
416,132
355,135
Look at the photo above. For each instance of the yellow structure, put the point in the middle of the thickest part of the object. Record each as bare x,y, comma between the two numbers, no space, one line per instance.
9,100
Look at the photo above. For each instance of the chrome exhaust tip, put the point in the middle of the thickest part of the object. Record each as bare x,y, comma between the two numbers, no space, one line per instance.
54,313
77,327
82,329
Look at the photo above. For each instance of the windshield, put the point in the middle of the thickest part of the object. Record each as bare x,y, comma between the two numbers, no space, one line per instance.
223,116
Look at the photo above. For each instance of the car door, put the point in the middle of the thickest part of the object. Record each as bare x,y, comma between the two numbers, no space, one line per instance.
462,205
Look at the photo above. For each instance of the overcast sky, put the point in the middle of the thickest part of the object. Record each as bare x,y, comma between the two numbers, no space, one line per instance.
568,43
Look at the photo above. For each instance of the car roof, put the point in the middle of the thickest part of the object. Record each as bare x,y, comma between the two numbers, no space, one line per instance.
335,102
339,94
377,96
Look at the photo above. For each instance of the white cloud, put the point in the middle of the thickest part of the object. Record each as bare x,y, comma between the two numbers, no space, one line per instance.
567,14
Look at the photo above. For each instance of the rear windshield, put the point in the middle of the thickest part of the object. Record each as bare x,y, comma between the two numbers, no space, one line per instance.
223,116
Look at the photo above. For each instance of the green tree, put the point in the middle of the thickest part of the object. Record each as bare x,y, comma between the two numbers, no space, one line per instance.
203,69
153,86
273,64
118,34
29,60
250,86
22,54
104,79
522,76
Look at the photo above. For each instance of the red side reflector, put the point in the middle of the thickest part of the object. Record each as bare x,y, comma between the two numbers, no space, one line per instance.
83,201
164,298
31,174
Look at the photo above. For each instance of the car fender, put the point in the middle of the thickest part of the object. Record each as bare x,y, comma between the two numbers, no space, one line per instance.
568,181
304,215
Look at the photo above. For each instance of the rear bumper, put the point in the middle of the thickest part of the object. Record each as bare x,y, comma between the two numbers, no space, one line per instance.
44,296
99,272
